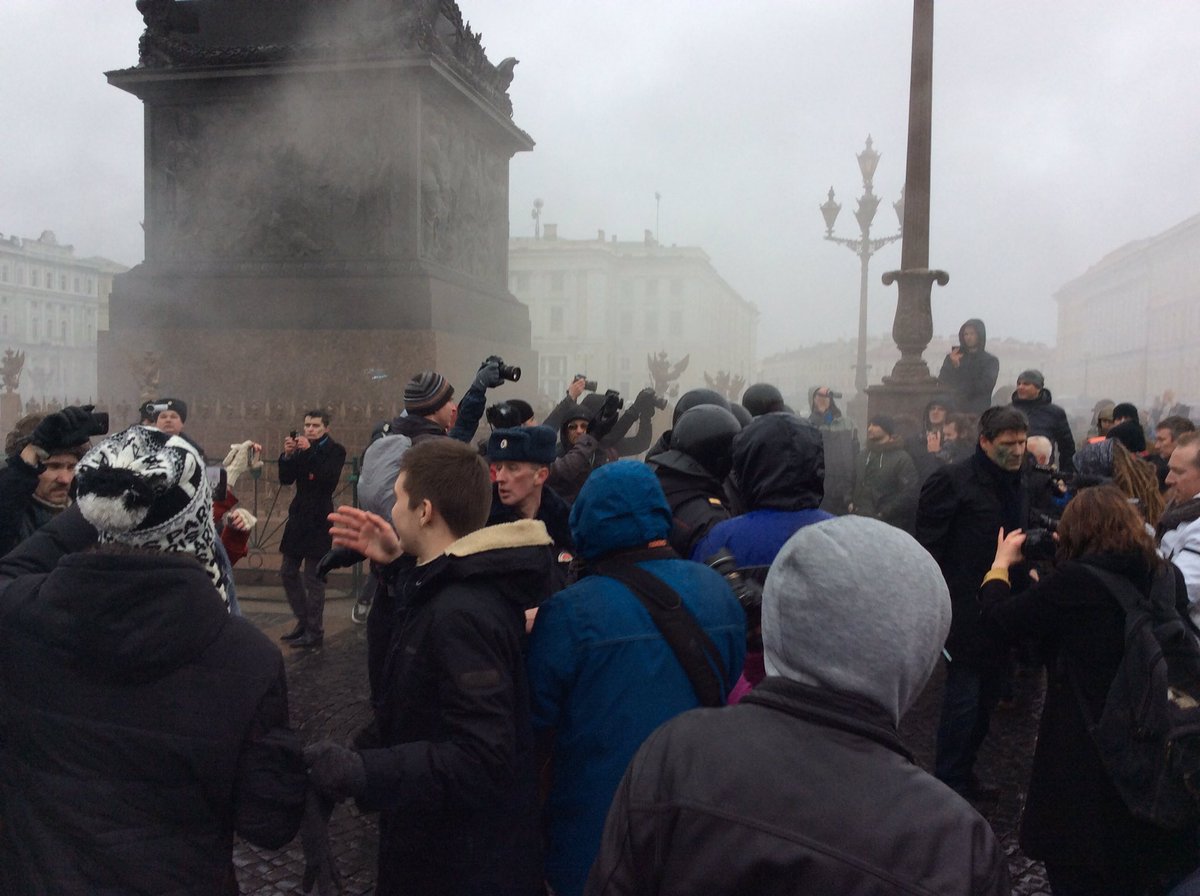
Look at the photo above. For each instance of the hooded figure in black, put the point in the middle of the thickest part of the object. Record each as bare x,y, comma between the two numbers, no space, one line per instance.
693,471
969,372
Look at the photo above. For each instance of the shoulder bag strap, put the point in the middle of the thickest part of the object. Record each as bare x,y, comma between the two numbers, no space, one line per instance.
692,646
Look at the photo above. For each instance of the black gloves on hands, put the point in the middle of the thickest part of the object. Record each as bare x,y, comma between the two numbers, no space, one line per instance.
319,866
67,428
334,771
338,558
488,376
602,423
644,403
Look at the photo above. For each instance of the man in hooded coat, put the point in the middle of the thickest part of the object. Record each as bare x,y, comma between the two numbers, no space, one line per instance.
969,372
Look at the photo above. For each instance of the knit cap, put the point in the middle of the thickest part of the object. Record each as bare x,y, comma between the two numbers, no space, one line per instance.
178,405
426,392
857,606
147,489
1034,377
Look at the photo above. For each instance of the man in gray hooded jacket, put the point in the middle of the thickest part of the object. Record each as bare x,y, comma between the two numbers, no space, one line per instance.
804,786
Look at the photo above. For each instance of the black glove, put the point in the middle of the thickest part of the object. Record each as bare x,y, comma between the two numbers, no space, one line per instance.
319,866
644,403
602,423
338,558
488,376
67,428
336,772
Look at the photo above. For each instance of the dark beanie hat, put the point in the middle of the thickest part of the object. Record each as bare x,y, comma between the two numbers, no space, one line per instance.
884,422
426,393
173,404
534,444
1130,435
1033,377
1125,409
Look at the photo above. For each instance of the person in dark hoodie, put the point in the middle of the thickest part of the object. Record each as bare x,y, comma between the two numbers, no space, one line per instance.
805,786
450,764
969,372
841,448
778,473
1127,428
692,473
1034,400
142,725
885,481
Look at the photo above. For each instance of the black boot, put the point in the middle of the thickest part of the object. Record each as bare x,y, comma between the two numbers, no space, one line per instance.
307,640
295,634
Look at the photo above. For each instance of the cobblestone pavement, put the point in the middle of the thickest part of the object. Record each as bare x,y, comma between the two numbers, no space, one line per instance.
328,692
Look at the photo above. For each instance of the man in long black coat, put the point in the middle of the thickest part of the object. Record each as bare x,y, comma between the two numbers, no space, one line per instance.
313,462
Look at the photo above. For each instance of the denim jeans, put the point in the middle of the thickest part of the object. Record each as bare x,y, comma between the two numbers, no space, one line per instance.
967,704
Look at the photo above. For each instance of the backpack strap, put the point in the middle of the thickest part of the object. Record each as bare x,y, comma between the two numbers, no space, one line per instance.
692,646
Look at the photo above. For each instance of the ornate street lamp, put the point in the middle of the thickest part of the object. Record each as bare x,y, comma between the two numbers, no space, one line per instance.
864,247
536,214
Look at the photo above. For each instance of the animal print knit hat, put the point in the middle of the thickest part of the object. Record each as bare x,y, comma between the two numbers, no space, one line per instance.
148,489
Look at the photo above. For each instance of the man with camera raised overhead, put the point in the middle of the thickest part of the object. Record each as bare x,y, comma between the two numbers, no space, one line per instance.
962,507
41,453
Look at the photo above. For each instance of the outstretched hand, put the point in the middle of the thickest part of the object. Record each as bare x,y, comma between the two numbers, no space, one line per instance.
1008,549
368,533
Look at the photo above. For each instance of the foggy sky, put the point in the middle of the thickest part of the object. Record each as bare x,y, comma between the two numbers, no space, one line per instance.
1061,132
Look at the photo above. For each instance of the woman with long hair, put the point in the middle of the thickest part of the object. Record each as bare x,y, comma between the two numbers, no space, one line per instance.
1074,819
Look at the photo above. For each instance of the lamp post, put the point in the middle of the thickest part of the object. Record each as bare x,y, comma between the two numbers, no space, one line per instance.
864,247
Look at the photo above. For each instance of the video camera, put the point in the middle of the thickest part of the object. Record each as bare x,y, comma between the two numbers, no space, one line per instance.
512,374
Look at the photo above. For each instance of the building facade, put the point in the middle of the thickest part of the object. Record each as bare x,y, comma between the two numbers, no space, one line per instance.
600,307
1129,327
51,306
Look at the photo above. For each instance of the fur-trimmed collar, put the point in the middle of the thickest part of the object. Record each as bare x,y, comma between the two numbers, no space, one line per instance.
520,534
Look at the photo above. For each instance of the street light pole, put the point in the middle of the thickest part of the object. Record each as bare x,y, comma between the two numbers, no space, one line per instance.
864,247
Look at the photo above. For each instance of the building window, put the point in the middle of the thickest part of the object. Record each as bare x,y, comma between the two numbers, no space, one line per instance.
62,331
35,330
77,284
34,277
4,274
651,323
676,322
556,282
91,286
676,287
556,319
651,289
62,282
626,323
20,275
3,324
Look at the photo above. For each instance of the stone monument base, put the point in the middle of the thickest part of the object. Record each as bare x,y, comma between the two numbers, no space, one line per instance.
902,399
11,410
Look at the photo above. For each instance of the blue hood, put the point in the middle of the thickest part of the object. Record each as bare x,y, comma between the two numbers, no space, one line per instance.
620,506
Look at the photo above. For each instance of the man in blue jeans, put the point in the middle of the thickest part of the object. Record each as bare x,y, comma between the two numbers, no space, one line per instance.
962,508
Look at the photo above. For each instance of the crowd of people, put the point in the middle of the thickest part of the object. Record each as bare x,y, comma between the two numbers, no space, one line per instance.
600,662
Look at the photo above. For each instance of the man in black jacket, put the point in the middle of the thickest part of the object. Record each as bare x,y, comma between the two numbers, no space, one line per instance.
1034,400
804,786
969,372
313,462
962,508
451,768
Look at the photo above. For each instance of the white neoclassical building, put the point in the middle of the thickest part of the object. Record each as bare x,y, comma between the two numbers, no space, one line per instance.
52,304
600,306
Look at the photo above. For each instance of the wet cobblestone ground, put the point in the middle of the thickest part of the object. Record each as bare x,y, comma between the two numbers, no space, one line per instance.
328,692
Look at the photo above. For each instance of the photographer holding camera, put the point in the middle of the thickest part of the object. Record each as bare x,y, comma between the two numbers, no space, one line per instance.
35,483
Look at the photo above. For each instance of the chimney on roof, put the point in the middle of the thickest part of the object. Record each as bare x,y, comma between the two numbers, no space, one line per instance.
549,231
600,235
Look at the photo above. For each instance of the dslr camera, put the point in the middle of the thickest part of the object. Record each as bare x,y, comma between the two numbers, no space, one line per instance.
748,592
1040,546
660,402
613,402
512,374
588,385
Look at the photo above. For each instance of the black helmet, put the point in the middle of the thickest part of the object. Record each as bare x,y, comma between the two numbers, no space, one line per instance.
762,398
744,416
705,433
694,397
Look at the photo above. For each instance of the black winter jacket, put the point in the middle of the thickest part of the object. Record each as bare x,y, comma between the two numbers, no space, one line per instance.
1049,420
315,473
961,509
453,776
794,790
1073,813
973,380
696,497
142,725
21,514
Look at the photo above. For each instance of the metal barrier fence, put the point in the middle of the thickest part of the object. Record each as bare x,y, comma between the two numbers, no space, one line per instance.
268,500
